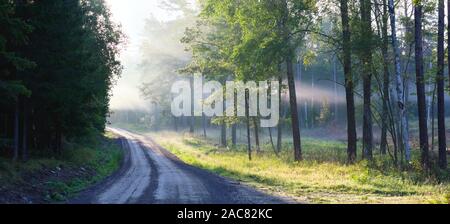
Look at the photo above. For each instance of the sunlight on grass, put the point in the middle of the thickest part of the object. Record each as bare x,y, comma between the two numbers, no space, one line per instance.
321,178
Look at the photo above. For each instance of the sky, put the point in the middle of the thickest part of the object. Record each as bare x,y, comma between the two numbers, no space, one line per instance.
131,15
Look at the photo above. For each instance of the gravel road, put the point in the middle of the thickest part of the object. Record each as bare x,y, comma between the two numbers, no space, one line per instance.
151,175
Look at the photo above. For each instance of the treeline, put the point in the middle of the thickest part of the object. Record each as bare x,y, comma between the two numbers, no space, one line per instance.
58,62
377,45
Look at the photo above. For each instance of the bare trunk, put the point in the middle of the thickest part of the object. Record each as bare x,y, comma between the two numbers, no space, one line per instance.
366,58
16,131
336,115
256,127
25,132
192,117
233,135
247,115
386,98
294,112
280,123
204,126
401,105
351,121
223,134
440,89
421,99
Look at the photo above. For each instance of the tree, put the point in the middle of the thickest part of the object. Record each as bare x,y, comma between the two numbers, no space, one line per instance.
64,94
440,88
404,141
349,86
13,35
365,54
421,100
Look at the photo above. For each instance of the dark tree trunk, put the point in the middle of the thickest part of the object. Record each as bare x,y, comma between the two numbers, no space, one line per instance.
234,135
204,126
16,131
448,38
349,89
384,127
224,126
223,135
25,131
421,99
294,112
280,123
440,88
247,115
271,141
366,58
256,127
192,117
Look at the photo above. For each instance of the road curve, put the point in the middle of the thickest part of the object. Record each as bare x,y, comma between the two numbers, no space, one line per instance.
152,175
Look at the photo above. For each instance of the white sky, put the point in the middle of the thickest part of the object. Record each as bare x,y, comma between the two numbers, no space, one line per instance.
131,14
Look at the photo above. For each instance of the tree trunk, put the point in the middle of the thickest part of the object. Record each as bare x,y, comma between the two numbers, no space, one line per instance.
224,124
433,112
192,117
294,112
204,126
223,135
312,118
234,135
247,115
440,88
403,128
349,89
386,84
280,123
366,58
16,131
25,131
448,37
336,115
421,99
271,141
256,127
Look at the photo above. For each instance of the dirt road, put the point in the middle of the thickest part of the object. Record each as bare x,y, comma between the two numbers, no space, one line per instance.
152,175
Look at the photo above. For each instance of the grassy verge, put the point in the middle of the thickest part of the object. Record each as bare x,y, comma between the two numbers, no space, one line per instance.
321,178
42,180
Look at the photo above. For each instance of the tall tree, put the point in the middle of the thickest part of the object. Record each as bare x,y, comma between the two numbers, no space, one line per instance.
349,85
366,60
386,78
440,87
402,122
421,98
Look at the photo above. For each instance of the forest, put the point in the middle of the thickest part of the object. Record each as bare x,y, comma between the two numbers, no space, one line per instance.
59,60
363,95
367,76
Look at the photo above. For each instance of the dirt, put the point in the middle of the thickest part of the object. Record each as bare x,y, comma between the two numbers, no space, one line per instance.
33,188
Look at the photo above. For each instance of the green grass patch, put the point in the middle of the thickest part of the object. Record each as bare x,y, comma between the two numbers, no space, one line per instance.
323,177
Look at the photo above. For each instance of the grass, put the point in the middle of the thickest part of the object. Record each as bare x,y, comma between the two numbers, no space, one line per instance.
321,178
81,165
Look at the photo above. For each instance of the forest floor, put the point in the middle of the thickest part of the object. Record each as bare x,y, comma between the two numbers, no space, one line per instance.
323,176
56,180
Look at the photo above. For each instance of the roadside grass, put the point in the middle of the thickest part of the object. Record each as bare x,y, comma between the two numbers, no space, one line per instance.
323,176
79,166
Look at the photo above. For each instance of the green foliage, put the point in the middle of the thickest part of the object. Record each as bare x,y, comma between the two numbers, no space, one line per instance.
59,66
